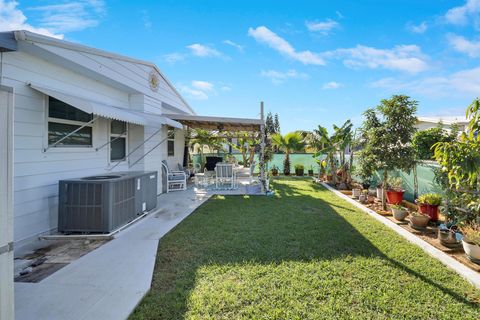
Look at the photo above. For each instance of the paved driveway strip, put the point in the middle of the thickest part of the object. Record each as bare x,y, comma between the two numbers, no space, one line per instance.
110,281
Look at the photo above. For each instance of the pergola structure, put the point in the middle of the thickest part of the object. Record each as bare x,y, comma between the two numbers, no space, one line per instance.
231,125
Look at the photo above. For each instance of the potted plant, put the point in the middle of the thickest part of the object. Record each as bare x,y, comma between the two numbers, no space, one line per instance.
395,190
399,212
422,203
448,237
419,220
363,196
310,171
432,201
356,192
274,171
471,241
299,168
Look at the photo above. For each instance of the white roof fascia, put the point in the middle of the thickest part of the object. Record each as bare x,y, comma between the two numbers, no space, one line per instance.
23,35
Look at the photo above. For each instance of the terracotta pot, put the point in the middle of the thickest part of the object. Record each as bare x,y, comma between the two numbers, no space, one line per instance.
394,196
432,212
299,172
274,172
399,214
472,251
422,207
419,221
310,173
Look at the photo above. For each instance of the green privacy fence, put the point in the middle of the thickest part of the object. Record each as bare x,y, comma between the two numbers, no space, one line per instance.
425,178
425,171
306,159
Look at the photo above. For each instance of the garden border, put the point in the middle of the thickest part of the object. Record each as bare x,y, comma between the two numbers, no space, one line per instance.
464,271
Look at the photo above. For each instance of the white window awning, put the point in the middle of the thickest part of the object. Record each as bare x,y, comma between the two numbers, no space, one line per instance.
155,120
106,111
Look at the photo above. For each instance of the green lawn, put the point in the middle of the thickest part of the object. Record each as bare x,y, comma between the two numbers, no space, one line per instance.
303,254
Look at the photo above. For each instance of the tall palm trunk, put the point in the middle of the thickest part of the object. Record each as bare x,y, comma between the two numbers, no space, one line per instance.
286,163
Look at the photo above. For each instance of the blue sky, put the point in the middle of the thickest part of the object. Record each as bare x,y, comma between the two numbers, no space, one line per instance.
312,62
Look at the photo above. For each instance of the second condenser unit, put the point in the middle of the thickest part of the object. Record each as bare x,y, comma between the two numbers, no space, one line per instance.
101,204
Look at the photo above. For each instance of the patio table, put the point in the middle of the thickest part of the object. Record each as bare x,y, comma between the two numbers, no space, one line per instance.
204,179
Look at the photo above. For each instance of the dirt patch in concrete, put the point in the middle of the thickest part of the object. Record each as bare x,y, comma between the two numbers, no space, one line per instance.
50,258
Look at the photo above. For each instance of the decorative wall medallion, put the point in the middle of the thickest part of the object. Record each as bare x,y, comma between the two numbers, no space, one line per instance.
153,80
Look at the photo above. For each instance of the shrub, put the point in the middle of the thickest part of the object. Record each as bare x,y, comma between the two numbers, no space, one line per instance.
299,167
433,199
424,140
395,183
471,233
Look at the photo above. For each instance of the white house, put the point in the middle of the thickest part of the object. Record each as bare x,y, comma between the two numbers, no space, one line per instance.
59,88
424,123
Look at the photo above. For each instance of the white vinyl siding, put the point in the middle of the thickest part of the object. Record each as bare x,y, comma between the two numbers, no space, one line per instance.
36,173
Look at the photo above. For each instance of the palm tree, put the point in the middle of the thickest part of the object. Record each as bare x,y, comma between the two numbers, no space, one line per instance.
332,145
291,142
205,138
246,143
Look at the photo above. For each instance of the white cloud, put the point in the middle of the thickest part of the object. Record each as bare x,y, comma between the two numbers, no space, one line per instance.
278,77
199,90
322,27
406,58
201,50
264,35
331,85
71,16
12,18
226,88
463,14
193,93
417,28
235,45
456,84
202,85
461,44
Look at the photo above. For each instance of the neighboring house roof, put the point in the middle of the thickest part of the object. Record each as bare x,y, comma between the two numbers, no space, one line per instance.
79,58
448,120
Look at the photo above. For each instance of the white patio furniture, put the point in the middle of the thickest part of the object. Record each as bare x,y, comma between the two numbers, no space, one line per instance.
225,175
176,180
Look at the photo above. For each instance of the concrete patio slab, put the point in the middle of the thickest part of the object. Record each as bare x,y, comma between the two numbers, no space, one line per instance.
110,281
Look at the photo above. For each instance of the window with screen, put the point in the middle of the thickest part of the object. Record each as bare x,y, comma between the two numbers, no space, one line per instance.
171,142
118,140
63,119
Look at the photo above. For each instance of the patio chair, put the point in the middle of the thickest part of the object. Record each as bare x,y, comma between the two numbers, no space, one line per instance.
189,172
224,174
176,180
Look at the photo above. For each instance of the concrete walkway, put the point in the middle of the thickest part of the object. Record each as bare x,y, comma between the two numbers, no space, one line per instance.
110,281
